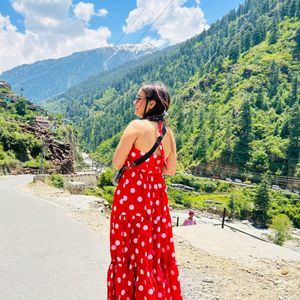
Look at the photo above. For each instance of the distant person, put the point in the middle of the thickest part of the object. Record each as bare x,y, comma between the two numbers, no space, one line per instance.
143,264
190,220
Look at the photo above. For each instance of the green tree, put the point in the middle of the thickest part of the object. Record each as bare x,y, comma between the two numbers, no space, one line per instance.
261,203
296,52
281,224
244,135
234,52
21,107
293,96
294,139
273,79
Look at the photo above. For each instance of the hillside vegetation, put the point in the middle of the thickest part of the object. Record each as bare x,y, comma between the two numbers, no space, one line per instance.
234,91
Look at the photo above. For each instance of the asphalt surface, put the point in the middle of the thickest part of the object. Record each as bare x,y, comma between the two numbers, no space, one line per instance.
44,252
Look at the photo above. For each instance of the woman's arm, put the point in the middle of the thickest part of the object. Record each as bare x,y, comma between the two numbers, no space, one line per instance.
169,167
127,139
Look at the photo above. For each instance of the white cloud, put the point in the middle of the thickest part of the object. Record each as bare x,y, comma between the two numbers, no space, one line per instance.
50,32
102,12
176,24
84,11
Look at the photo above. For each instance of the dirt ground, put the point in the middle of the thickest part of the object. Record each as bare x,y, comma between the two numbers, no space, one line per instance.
214,263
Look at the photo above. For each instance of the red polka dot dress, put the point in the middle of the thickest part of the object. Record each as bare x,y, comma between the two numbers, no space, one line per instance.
143,264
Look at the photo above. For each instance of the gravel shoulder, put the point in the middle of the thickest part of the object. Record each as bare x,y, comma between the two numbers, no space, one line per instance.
214,263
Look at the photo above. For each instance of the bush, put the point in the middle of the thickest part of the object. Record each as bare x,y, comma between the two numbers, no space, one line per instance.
209,187
57,180
105,178
281,224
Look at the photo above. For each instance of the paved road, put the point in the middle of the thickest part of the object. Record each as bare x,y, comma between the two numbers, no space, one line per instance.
44,253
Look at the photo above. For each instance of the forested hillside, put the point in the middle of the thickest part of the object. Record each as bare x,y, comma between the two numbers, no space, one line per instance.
234,90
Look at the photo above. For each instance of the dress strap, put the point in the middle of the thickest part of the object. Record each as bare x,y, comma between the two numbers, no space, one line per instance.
161,147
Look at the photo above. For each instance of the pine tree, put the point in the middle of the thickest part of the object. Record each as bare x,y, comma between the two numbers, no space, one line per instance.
292,9
296,52
293,96
294,139
234,52
244,134
273,79
262,203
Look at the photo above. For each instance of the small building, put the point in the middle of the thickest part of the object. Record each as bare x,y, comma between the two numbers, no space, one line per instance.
182,187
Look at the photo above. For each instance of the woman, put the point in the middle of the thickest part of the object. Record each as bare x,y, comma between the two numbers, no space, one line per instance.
143,264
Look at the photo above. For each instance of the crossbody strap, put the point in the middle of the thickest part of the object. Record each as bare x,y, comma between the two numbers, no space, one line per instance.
151,151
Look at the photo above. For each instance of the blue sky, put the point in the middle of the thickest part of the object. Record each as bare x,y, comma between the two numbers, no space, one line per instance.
33,30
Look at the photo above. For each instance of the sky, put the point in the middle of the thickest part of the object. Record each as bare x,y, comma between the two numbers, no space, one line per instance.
33,30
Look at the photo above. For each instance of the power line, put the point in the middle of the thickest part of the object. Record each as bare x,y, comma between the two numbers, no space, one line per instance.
147,4
155,20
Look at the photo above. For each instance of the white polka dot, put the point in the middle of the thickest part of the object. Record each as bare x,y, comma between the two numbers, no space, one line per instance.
157,202
139,182
154,155
136,251
113,247
142,153
160,185
150,292
132,174
116,225
132,256
159,295
121,201
126,181
149,211
158,229
133,154
172,272
143,243
163,235
158,161
125,249
132,190
125,197
155,186
140,199
118,192
147,159
119,279
115,208
173,254
141,288
129,283
117,243
124,275
131,207
138,225
150,256
123,292
145,227
158,245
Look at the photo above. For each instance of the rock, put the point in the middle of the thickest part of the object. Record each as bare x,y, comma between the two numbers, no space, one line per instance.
76,187
285,272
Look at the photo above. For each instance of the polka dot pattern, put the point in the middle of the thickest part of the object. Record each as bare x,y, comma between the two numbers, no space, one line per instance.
143,264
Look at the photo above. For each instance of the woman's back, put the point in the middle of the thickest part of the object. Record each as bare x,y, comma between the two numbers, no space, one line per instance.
148,132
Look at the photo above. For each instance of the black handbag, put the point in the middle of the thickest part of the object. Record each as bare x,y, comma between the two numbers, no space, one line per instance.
140,160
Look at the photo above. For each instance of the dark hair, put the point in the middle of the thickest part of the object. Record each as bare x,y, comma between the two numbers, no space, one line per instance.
158,92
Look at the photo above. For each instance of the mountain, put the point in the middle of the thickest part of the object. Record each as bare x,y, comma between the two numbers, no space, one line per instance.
45,79
235,97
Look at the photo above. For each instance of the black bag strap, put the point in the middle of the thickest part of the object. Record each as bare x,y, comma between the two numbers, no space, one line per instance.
151,151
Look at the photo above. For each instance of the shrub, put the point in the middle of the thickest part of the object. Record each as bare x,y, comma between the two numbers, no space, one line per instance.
281,224
57,180
105,178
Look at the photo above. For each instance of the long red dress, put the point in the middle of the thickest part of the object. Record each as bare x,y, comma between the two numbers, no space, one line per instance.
143,264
